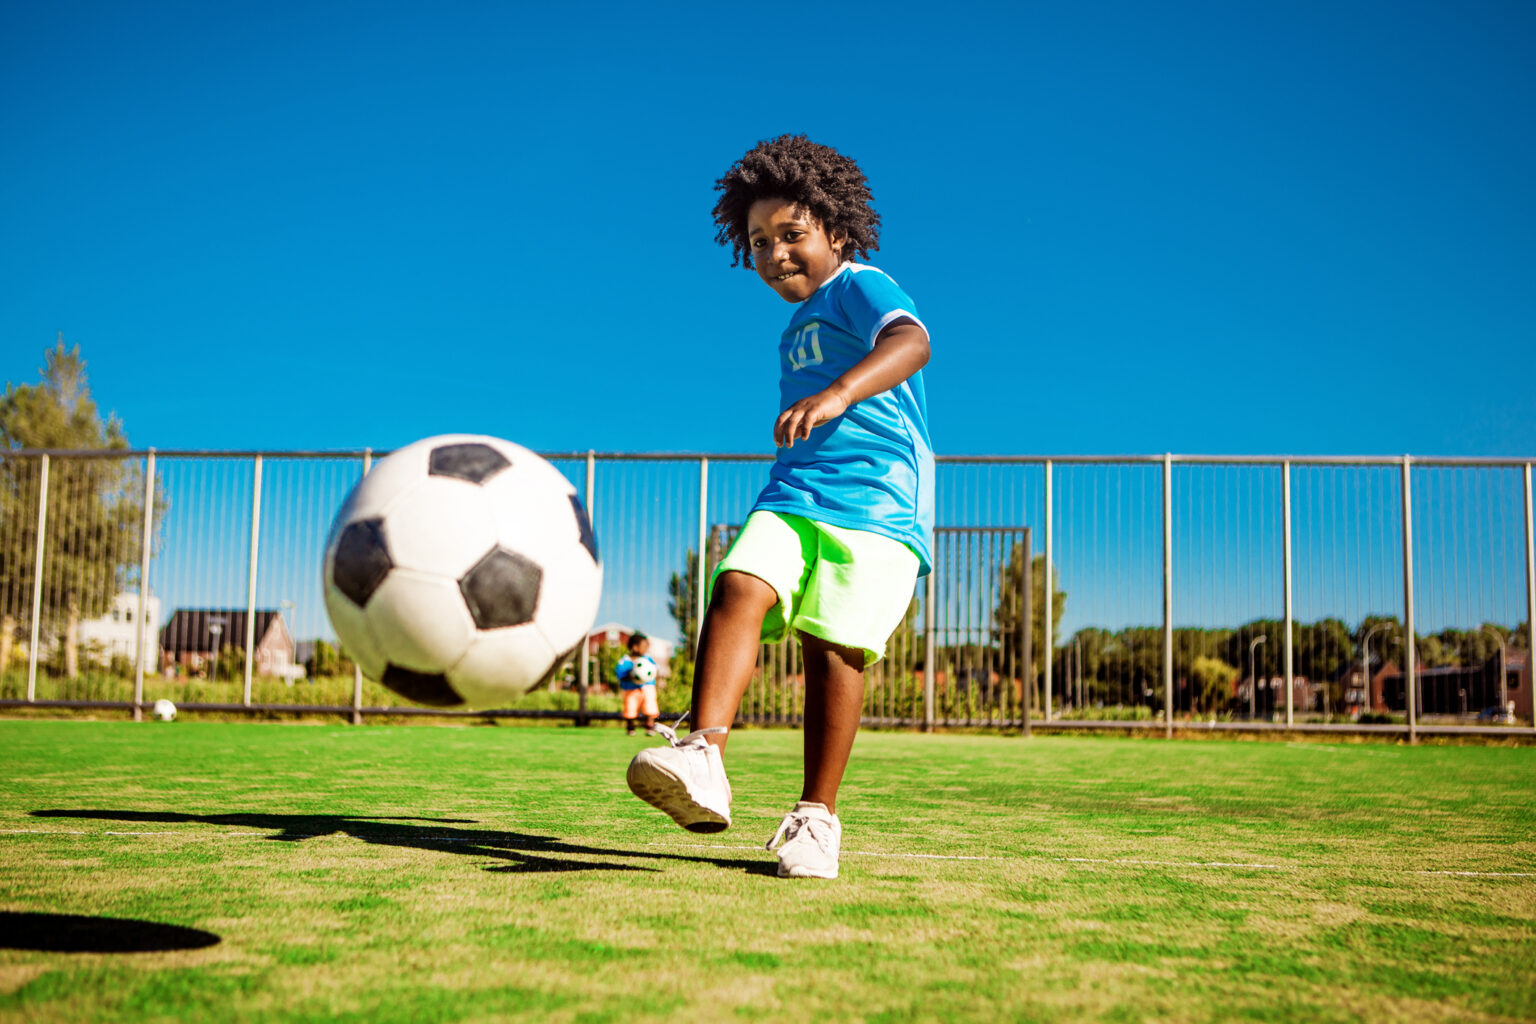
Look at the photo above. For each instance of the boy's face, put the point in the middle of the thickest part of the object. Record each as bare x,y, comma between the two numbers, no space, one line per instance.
639,647
791,250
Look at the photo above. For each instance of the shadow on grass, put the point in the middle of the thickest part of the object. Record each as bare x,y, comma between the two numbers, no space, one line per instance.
76,933
517,851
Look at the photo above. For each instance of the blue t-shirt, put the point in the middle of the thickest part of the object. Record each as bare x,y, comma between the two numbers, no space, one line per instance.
872,467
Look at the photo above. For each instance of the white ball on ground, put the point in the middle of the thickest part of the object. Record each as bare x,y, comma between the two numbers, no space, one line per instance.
165,711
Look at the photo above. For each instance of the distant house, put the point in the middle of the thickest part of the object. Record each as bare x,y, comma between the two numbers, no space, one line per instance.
194,636
1269,698
617,634
1365,693
1464,689
116,633
1518,682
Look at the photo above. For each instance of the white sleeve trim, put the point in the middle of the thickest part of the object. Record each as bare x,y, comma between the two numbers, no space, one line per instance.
895,314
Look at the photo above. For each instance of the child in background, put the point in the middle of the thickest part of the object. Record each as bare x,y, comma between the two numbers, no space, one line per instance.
636,673
840,534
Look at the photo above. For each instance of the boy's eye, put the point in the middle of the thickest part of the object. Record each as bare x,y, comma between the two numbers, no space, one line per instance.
758,243
793,236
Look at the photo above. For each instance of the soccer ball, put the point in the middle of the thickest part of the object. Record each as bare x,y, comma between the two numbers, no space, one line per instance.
165,710
643,671
462,571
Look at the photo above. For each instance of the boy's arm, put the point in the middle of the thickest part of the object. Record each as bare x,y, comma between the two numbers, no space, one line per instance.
900,351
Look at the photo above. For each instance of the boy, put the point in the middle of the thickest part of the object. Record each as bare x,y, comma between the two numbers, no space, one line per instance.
636,672
841,532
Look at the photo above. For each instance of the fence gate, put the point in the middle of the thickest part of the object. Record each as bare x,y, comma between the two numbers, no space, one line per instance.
981,600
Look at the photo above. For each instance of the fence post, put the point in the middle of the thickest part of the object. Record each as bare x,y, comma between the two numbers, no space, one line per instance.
583,668
357,671
1285,511
701,570
37,580
250,582
929,665
1410,653
1530,591
144,552
1168,595
1027,625
1048,635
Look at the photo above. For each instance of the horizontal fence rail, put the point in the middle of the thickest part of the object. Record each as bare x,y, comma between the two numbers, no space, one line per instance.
1158,592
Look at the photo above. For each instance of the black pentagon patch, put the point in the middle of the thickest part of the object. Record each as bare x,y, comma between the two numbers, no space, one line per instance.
502,589
362,560
422,687
588,538
476,463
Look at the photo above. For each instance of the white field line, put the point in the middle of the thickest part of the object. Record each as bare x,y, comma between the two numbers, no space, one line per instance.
1111,861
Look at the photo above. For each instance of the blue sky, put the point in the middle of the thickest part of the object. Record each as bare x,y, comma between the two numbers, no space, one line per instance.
1198,227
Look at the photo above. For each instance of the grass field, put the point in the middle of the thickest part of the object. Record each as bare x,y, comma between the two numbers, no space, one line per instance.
488,873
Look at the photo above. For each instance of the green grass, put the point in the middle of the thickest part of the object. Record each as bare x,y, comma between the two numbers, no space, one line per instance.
485,873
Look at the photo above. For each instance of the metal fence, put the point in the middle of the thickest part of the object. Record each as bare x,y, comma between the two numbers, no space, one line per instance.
1146,592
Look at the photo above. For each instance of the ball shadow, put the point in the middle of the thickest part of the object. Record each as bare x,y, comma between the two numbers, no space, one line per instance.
76,933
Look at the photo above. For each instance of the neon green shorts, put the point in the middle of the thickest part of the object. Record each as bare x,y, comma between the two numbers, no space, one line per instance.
848,587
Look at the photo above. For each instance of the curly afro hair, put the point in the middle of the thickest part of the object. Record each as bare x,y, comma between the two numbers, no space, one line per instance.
795,169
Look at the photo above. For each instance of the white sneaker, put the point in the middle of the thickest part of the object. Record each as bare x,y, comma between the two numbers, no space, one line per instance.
686,779
812,838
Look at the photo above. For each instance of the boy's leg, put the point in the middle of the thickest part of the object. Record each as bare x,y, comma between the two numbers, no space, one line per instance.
630,710
686,779
728,646
811,833
649,708
834,702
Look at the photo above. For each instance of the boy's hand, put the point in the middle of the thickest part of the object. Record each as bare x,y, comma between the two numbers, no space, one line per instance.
797,422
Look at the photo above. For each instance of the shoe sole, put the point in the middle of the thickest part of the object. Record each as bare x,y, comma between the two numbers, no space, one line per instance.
668,793
803,873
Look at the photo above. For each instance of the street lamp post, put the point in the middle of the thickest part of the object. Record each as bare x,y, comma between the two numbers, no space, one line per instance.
1253,674
1503,692
1365,669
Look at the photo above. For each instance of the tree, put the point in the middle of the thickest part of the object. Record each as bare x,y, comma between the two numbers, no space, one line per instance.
606,665
1133,660
1008,613
1081,657
1210,682
1325,652
325,661
682,603
1266,659
95,507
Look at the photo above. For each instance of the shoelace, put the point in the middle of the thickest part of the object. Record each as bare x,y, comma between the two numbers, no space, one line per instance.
793,824
670,732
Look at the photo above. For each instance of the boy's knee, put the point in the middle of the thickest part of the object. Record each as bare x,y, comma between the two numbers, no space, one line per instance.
816,647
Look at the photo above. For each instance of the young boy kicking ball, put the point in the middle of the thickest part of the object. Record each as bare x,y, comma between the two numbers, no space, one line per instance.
841,532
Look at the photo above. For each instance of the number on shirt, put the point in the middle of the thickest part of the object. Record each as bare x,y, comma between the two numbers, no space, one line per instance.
805,350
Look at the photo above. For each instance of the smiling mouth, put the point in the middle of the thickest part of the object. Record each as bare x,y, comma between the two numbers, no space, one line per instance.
787,275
